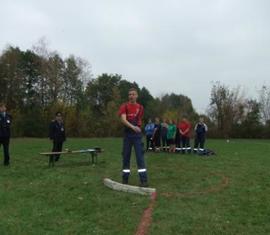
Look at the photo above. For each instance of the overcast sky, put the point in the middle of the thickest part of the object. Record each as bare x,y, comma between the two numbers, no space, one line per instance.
178,46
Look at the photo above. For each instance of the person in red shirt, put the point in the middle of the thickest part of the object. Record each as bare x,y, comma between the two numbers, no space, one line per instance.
131,114
185,129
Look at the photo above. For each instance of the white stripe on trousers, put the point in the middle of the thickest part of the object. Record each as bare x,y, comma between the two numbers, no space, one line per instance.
141,170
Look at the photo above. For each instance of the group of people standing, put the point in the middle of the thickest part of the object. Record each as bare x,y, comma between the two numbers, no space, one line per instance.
171,136
166,135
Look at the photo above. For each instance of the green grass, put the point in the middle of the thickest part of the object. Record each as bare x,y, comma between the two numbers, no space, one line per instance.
71,199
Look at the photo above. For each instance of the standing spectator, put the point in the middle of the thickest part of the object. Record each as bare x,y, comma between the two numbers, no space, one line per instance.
156,135
185,129
131,114
177,137
5,122
171,135
164,129
149,130
57,134
200,130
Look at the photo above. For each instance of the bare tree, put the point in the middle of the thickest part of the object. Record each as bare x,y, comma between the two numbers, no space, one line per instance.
226,107
264,100
41,47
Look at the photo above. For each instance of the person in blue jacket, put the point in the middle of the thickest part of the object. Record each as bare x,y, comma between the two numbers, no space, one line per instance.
149,130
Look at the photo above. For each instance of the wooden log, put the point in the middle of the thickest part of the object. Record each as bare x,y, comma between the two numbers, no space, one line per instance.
128,188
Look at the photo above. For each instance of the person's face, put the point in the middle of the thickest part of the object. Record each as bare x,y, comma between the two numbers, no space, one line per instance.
59,117
149,121
132,96
201,119
2,109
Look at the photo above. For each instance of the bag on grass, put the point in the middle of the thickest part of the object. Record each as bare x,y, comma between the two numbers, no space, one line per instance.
207,152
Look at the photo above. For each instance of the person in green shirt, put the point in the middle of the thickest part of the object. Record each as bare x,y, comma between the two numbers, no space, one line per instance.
171,135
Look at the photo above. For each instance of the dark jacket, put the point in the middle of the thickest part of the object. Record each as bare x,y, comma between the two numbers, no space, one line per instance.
5,123
201,128
57,131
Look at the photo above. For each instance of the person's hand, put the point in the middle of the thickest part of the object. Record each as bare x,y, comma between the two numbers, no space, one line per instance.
137,129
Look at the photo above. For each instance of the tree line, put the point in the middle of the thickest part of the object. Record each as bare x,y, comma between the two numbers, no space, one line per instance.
36,83
232,114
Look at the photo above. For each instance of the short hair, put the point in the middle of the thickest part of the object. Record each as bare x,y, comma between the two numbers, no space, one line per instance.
58,114
132,89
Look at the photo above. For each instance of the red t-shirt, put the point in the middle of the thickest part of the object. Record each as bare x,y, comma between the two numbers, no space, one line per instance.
134,112
184,126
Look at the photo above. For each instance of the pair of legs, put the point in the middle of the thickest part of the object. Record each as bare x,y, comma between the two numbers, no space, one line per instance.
156,142
177,139
57,147
185,144
171,143
164,142
5,143
199,143
133,139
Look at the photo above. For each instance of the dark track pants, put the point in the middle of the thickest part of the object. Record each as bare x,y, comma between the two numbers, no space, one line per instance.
57,147
133,139
164,142
185,144
199,143
156,141
5,143
178,139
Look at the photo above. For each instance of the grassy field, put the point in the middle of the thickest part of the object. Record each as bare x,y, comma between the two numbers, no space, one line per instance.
71,199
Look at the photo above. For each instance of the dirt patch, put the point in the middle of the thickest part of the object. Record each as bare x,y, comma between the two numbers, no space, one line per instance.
146,218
